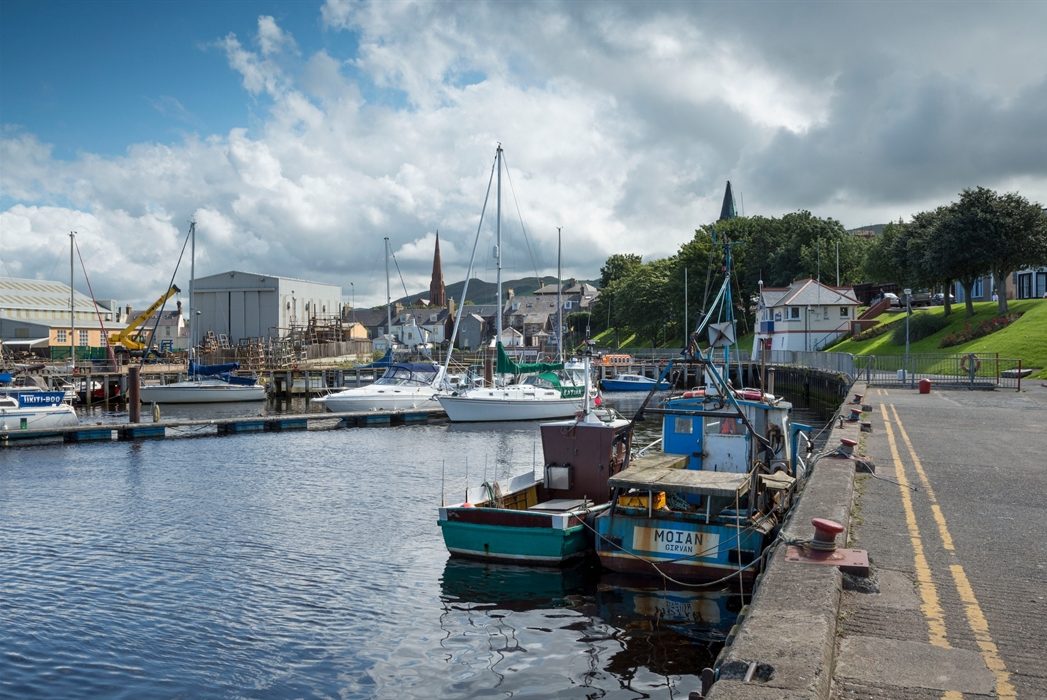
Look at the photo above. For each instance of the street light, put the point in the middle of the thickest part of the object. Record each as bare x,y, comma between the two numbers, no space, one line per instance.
352,289
908,312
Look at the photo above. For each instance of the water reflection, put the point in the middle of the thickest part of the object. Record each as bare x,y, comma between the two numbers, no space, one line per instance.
634,636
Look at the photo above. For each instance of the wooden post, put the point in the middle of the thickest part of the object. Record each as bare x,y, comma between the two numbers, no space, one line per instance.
134,402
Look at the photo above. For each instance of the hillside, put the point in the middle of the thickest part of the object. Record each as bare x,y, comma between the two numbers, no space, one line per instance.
481,292
1025,339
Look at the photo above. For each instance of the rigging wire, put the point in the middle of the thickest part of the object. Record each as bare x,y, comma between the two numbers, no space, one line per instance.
519,214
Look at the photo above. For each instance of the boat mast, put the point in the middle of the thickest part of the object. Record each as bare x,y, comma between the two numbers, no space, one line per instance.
498,246
72,311
559,302
192,277
388,297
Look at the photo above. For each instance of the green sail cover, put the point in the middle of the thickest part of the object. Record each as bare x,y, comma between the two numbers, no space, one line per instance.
506,365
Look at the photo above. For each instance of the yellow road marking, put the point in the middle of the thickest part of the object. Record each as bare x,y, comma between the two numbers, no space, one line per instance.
932,609
936,510
975,617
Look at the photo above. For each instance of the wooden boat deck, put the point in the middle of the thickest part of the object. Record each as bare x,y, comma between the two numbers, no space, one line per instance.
666,473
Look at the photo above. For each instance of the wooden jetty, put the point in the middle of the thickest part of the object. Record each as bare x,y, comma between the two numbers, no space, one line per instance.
106,432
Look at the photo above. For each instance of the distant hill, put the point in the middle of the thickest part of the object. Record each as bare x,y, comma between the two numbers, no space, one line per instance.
871,229
481,292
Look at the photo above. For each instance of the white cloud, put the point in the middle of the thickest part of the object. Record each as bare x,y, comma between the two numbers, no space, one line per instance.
621,122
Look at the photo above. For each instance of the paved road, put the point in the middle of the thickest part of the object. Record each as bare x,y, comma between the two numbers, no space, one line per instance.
959,547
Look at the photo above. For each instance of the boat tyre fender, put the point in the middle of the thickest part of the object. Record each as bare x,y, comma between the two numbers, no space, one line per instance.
970,360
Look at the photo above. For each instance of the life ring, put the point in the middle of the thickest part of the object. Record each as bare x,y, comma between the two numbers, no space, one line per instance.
967,361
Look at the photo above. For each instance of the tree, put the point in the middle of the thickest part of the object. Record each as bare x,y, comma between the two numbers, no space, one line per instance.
1021,239
967,235
618,267
644,302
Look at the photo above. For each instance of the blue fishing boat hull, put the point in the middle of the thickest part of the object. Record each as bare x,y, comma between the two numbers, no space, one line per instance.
684,548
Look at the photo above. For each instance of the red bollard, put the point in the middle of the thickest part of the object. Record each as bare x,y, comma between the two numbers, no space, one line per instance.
925,386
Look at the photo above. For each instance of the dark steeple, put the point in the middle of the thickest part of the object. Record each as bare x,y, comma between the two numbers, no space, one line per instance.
727,210
437,291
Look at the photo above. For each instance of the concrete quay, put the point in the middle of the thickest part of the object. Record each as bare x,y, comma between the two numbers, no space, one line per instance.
954,520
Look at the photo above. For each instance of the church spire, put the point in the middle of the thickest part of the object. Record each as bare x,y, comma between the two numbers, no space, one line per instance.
437,291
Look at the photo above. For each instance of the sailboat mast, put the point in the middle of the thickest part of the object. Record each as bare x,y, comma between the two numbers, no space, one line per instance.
388,296
559,301
498,246
192,278
72,308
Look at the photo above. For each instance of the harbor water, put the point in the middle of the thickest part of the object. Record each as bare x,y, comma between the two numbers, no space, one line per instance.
310,564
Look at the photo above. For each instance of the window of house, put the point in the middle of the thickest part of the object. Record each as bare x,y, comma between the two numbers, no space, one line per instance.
61,337
83,338
794,313
825,313
844,312
568,304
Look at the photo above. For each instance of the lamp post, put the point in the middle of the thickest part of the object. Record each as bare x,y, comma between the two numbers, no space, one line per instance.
908,312
352,290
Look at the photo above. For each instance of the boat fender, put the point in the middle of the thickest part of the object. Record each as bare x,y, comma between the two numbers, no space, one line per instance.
694,394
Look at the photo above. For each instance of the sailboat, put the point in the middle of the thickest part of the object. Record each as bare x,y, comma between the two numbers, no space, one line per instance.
542,391
403,385
732,463
206,383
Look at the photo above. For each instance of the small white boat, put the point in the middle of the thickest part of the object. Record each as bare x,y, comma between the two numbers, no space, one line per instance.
35,410
533,399
403,386
201,391
632,382
207,384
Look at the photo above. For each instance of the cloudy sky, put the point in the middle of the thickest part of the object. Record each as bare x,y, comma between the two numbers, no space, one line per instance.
299,134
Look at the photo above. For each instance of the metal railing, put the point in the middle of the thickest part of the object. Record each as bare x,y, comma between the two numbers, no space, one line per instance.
968,370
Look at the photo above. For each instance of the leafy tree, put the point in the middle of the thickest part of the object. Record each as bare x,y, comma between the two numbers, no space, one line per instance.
1020,231
644,302
967,235
617,267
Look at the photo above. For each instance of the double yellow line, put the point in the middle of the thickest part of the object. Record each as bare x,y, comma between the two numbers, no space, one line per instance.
930,605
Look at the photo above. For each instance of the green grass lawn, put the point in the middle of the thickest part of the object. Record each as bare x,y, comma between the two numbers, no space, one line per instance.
1025,339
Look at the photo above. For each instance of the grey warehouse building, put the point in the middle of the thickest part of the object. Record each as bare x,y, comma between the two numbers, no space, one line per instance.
243,305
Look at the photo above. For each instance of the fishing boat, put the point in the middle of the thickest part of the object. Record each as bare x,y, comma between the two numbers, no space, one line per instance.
633,382
527,391
704,508
546,518
22,409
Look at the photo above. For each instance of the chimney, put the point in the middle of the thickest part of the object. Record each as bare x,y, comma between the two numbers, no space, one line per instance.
127,311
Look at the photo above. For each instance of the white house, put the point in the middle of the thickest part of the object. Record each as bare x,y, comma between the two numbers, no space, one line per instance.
806,315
